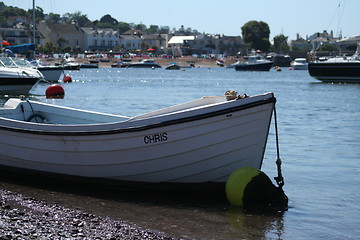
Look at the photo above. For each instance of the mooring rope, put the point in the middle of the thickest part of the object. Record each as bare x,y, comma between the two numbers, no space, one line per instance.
279,179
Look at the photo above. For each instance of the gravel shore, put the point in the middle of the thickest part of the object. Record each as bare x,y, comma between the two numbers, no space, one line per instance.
27,218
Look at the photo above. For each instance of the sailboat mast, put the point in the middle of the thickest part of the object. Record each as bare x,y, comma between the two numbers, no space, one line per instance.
33,22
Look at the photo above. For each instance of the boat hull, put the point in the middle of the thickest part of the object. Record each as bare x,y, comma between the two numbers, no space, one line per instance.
14,82
200,146
51,73
344,72
140,65
254,67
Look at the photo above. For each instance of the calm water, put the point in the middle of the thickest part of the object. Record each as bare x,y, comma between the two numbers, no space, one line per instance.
319,127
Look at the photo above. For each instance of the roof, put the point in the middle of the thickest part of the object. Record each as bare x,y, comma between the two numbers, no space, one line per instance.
180,39
104,31
63,28
354,39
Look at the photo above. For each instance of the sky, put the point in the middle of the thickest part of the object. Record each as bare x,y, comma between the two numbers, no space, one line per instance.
287,17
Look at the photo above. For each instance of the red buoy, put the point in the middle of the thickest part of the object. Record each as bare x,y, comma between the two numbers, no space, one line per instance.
55,91
290,68
67,79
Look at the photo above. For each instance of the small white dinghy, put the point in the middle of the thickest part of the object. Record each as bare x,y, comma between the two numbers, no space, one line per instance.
202,141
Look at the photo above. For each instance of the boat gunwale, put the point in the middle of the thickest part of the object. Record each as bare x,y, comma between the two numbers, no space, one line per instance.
271,99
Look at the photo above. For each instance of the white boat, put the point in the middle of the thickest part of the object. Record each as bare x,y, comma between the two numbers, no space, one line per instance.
145,63
68,63
202,141
51,73
300,64
15,80
254,63
172,66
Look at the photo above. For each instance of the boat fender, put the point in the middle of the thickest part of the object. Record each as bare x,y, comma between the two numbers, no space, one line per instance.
55,91
251,188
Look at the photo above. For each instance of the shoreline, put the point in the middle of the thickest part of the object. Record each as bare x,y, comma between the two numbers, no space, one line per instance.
29,218
181,61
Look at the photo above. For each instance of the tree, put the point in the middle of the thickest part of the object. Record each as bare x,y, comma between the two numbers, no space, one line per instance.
140,26
257,35
14,11
280,44
53,18
61,42
81,19
328,48
2,6
153,29
164,30
109,19
49,47
123,27
39,13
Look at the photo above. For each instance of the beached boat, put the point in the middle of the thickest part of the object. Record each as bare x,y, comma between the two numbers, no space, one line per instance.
300,64
145,63
15,80
172,66
120,64
254,63
220,63
89,65
202,141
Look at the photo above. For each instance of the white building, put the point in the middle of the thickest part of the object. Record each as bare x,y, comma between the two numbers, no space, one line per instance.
100,39
130,42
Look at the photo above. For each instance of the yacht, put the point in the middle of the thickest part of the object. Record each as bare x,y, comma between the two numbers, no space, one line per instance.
16,80
300,64
254,63
145,63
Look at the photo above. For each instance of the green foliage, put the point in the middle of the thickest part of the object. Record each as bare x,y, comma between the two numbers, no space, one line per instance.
14,11
39,14
123,27
140,26
152,29
53,18
104,25
49,48
164,29
280,44
109,19
328,48
257,35
351,47
62,42
78,17
2,6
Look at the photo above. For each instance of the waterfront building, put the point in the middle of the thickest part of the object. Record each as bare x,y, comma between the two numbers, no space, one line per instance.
62,35
100,39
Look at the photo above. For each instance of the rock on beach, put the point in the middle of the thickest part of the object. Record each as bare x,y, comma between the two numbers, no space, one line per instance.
27,218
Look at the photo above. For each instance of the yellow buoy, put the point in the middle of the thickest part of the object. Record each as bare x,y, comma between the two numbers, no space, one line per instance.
236,184
249,187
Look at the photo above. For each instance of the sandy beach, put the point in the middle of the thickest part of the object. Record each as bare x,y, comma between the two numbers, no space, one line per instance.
181,61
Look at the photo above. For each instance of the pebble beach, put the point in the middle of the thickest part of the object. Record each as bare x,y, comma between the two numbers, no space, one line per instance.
23,217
